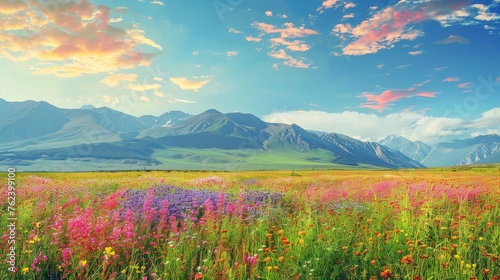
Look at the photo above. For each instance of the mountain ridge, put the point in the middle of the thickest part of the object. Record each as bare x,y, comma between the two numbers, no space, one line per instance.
479,149
107,136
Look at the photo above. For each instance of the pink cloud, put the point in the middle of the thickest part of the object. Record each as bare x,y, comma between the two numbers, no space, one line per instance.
342,28
464,85
451,79
253,39
280,54
76,40
396,23
288,31
383,30
284,39
288,60
327,4
349,5
387,98
295,45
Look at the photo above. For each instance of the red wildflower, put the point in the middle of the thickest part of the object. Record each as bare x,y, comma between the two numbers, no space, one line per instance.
386,273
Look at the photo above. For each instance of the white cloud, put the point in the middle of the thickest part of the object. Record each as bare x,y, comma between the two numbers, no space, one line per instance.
231,53
269,13
177,100
115,20
145,98
487,119
233,30
157,3
372,127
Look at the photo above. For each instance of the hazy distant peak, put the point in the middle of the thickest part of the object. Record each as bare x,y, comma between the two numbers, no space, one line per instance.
88,107
212,111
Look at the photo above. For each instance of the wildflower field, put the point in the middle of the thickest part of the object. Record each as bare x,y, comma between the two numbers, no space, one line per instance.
408,224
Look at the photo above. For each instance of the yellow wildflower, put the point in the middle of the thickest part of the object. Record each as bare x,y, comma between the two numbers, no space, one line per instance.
109,251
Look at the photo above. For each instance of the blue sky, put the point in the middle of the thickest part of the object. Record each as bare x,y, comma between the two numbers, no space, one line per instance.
426,69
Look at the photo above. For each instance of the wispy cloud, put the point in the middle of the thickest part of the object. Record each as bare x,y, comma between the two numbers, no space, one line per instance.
451,79
441,68
380,102
288,60
114,80
144,87
403,66
110,99
233,30
186,84
177,100
415,53
288,31
452,39
231,53
159,94
422,83
145,98
465,85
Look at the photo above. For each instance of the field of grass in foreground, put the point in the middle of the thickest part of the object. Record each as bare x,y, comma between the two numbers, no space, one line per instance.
423,224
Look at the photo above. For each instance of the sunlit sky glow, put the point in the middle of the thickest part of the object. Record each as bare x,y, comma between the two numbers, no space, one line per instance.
423,69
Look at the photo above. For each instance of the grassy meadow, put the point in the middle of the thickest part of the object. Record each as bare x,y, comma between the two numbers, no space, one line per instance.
380,224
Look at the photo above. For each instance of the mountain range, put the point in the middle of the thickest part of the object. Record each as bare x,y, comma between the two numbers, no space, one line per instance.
478,150
38,136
